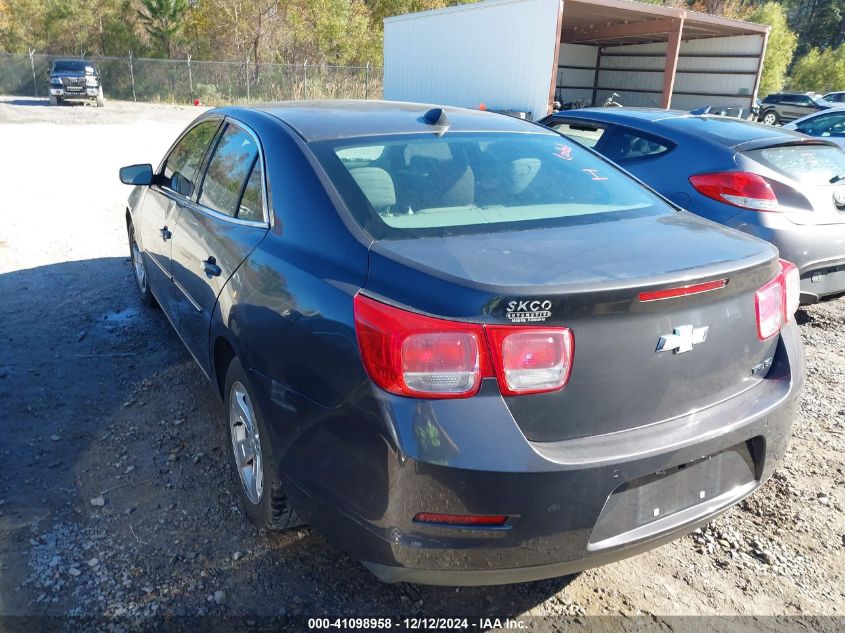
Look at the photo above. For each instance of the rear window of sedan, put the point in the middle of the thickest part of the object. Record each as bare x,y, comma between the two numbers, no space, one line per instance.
478,182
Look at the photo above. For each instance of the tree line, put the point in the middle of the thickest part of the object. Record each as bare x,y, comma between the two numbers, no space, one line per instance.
334,32
805,49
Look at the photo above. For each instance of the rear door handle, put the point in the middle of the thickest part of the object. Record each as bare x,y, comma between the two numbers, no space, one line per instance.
165,233
211,268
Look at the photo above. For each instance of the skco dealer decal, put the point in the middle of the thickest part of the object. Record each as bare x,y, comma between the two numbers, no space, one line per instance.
528,310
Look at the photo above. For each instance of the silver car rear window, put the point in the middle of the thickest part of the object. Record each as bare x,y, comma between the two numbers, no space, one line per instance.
808,164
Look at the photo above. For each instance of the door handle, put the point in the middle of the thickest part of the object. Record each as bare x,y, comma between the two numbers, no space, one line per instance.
165,233
211,268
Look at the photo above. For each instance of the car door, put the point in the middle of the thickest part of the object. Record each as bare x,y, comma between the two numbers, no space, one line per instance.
216,230
175,181
804,106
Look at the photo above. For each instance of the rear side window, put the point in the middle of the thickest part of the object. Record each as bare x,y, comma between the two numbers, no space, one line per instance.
252,202
809,164
228,170
626,145
584,133
478,183
182,165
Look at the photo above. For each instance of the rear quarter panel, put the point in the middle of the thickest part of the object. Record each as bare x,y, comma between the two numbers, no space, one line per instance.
287,311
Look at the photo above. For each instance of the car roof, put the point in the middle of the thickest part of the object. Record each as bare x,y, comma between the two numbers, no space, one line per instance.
724,131
340,119
618,114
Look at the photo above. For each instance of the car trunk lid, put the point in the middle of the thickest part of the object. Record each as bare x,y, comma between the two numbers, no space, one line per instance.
589,278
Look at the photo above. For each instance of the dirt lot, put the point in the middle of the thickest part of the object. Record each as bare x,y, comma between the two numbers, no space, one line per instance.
115,495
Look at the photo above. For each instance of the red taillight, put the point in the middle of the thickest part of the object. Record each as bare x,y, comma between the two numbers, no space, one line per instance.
411,354
738,188
768,303
469,520
791,288
776,302
441,362
415,355
531,360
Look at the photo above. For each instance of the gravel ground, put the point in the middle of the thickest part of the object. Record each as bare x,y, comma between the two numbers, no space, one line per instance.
116,497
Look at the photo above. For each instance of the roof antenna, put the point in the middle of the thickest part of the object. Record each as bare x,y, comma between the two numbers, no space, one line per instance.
436,117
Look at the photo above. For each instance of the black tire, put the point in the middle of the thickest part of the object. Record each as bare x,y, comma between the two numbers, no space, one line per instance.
770,117
54,101
273,510
144,291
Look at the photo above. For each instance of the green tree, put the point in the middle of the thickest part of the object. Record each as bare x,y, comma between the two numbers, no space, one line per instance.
780,47
819,23
820,70
163,21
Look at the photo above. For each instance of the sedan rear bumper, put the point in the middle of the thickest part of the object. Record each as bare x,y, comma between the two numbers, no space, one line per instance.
571,505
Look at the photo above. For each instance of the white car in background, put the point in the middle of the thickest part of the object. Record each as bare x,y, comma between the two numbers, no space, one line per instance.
826,124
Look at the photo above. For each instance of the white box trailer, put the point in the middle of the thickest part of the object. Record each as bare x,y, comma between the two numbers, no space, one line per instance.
522,55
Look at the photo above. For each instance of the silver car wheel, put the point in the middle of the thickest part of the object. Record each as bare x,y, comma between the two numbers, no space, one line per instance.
138,265
246,443
770,118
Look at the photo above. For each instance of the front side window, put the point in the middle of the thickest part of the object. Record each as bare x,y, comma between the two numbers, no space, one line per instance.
182,165
584,133
228,170
415,186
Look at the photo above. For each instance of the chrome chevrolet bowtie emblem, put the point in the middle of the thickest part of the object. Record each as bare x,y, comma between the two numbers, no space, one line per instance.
682,339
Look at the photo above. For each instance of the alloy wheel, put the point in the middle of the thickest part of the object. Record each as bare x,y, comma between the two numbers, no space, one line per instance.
138,265
246,443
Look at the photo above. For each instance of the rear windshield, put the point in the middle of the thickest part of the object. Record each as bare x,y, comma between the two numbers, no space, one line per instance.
809,164
70,65
478,182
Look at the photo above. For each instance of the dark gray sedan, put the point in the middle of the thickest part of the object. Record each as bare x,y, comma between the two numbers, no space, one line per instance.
769,182
464,349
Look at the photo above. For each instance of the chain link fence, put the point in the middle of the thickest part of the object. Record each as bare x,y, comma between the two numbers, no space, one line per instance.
213,83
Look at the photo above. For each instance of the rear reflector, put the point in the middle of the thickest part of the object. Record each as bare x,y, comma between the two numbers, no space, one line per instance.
469,520
531,360
682,291
738,188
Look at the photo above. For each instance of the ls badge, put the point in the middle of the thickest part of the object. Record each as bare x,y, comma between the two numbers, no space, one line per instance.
682,339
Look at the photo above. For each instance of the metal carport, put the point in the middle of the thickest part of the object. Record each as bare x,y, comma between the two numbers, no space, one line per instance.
657,56
523,54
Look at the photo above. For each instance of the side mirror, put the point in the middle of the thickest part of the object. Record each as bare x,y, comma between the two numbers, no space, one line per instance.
137,174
